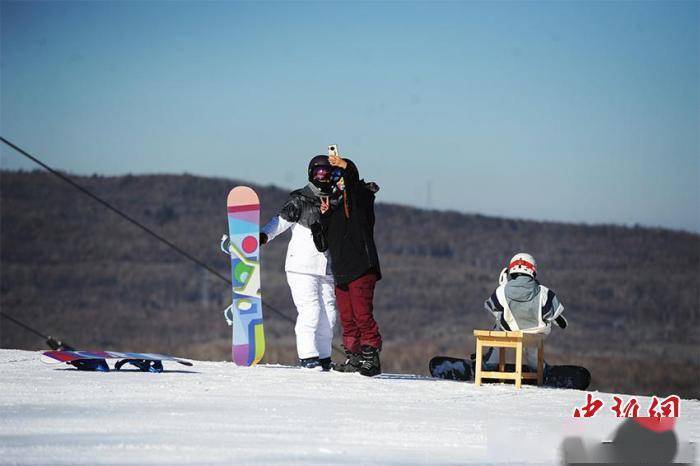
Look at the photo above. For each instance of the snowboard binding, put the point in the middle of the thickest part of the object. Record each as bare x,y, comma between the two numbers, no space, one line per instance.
225,247
142,364
225,244
228,315
95,365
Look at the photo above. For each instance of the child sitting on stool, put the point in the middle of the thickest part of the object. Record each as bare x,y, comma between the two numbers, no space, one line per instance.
521,303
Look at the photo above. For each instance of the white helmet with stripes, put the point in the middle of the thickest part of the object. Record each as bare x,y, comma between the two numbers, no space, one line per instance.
523,263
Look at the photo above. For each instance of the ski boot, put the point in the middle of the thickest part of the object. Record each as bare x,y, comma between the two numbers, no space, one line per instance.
369,365
311,363
326,364
352,362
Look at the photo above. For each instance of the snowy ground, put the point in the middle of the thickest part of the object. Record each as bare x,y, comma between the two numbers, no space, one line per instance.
217,413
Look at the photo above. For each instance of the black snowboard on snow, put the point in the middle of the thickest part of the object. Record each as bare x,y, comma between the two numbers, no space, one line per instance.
576,377
445,367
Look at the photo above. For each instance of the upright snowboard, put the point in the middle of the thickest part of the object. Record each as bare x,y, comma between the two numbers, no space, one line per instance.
576,377
245,314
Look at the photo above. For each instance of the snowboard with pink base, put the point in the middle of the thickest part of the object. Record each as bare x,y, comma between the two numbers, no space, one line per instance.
245,314
96,360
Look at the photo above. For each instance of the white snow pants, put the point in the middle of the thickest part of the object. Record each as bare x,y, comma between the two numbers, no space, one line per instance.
314,297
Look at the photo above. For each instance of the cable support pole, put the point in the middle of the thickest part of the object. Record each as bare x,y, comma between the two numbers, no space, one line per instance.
51,341
114,209
24,326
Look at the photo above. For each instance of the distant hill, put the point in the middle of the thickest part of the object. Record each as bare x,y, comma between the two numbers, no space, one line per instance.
75,270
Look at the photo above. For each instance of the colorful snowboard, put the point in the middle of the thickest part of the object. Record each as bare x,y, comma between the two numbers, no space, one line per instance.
246,318
75,357
575,377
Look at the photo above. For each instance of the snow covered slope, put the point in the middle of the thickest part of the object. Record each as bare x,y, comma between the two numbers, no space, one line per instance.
217,413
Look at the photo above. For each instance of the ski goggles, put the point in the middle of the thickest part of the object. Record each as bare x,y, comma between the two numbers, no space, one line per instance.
336,174
321,174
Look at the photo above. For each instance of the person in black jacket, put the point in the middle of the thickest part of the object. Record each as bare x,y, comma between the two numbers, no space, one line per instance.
348,229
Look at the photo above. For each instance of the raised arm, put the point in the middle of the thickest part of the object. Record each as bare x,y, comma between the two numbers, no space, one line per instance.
275,227
350,173
288,216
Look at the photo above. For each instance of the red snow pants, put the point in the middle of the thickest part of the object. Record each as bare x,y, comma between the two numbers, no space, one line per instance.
356,313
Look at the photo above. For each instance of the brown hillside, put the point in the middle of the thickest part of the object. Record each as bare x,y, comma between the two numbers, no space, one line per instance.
75,270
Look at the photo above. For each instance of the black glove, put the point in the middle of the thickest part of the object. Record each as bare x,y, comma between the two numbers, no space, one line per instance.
263,238
319,238
372,186
561,322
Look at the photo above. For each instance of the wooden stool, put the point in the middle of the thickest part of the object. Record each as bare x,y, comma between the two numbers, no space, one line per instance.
503,340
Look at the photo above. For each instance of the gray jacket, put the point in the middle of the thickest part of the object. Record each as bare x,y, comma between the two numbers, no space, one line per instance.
523,304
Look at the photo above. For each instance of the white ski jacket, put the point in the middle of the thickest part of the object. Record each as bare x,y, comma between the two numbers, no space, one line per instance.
302,255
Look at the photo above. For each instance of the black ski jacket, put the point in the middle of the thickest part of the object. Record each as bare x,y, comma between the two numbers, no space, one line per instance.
304,207
348,229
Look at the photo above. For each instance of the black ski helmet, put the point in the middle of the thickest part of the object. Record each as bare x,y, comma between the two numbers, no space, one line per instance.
316,162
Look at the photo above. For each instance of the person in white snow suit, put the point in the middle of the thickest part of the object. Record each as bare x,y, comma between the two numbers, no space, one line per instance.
521,303
308,271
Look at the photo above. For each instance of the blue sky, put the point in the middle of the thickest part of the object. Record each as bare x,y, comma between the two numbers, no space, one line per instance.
568,111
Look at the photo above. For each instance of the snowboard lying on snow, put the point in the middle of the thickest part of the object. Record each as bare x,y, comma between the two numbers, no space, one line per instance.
576,377
96,360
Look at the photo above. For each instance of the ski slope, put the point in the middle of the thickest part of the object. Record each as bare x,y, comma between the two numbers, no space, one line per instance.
218,413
